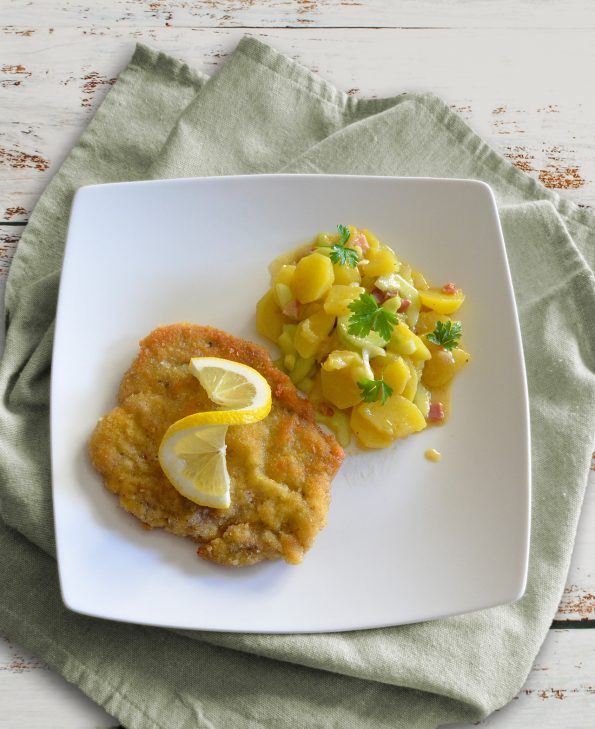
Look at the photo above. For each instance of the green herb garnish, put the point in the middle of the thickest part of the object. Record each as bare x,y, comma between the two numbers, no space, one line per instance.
367,315
344,234
344,256
339,252
374,390
446,334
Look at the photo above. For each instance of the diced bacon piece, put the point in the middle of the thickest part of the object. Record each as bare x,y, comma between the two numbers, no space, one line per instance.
450,288
292,309
379,295
325,409
405,304
436,411
360,241
382,296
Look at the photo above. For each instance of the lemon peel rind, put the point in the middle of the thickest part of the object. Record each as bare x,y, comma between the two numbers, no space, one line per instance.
217,417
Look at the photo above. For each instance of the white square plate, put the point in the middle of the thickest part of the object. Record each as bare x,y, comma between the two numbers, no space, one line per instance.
407,540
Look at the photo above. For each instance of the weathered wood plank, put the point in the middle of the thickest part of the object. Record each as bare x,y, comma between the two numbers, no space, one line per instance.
578,600
9,237
559,692
303,13
539,118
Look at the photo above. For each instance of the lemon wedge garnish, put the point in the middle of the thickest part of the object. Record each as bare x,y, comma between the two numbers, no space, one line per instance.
192,451
192,456
241,389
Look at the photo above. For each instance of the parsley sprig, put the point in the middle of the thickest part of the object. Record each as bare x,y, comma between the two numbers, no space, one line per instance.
374,390
368,316
446,334
340,253
344,234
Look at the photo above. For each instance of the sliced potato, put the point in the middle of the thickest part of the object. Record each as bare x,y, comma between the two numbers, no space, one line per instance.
422,400
396,374
407,344
439,301
382,261
311,332
346,274
283,294
339,297
377,425
443,366
411,387
341,371
313,277
366,431
373,241
419,281
427,321
269,317
284,274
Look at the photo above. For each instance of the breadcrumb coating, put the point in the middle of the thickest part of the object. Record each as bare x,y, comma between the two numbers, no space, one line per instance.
280,468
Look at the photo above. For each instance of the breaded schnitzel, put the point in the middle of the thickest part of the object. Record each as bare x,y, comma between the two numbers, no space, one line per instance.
280,468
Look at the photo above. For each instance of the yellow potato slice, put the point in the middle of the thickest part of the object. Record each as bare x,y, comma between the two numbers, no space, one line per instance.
269,318
407,344
377,425
311,332
382,261
339,297
373,241
439,301
411,386
426,321
346,274
284,274
313,277
396,374
340,373
443,366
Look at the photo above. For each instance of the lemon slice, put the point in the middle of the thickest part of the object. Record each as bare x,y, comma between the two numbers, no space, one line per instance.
192,453
192,456
241,389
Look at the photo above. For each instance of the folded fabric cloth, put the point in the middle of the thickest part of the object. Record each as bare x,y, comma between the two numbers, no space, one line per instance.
264,113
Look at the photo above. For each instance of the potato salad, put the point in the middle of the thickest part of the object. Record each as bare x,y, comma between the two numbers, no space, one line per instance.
364,335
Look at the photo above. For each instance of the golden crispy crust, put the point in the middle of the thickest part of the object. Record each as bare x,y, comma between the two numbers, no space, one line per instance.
281,468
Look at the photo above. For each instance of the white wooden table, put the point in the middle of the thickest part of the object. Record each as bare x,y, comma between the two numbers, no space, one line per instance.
520,72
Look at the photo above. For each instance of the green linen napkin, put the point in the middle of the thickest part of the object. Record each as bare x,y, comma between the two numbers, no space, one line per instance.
264,113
